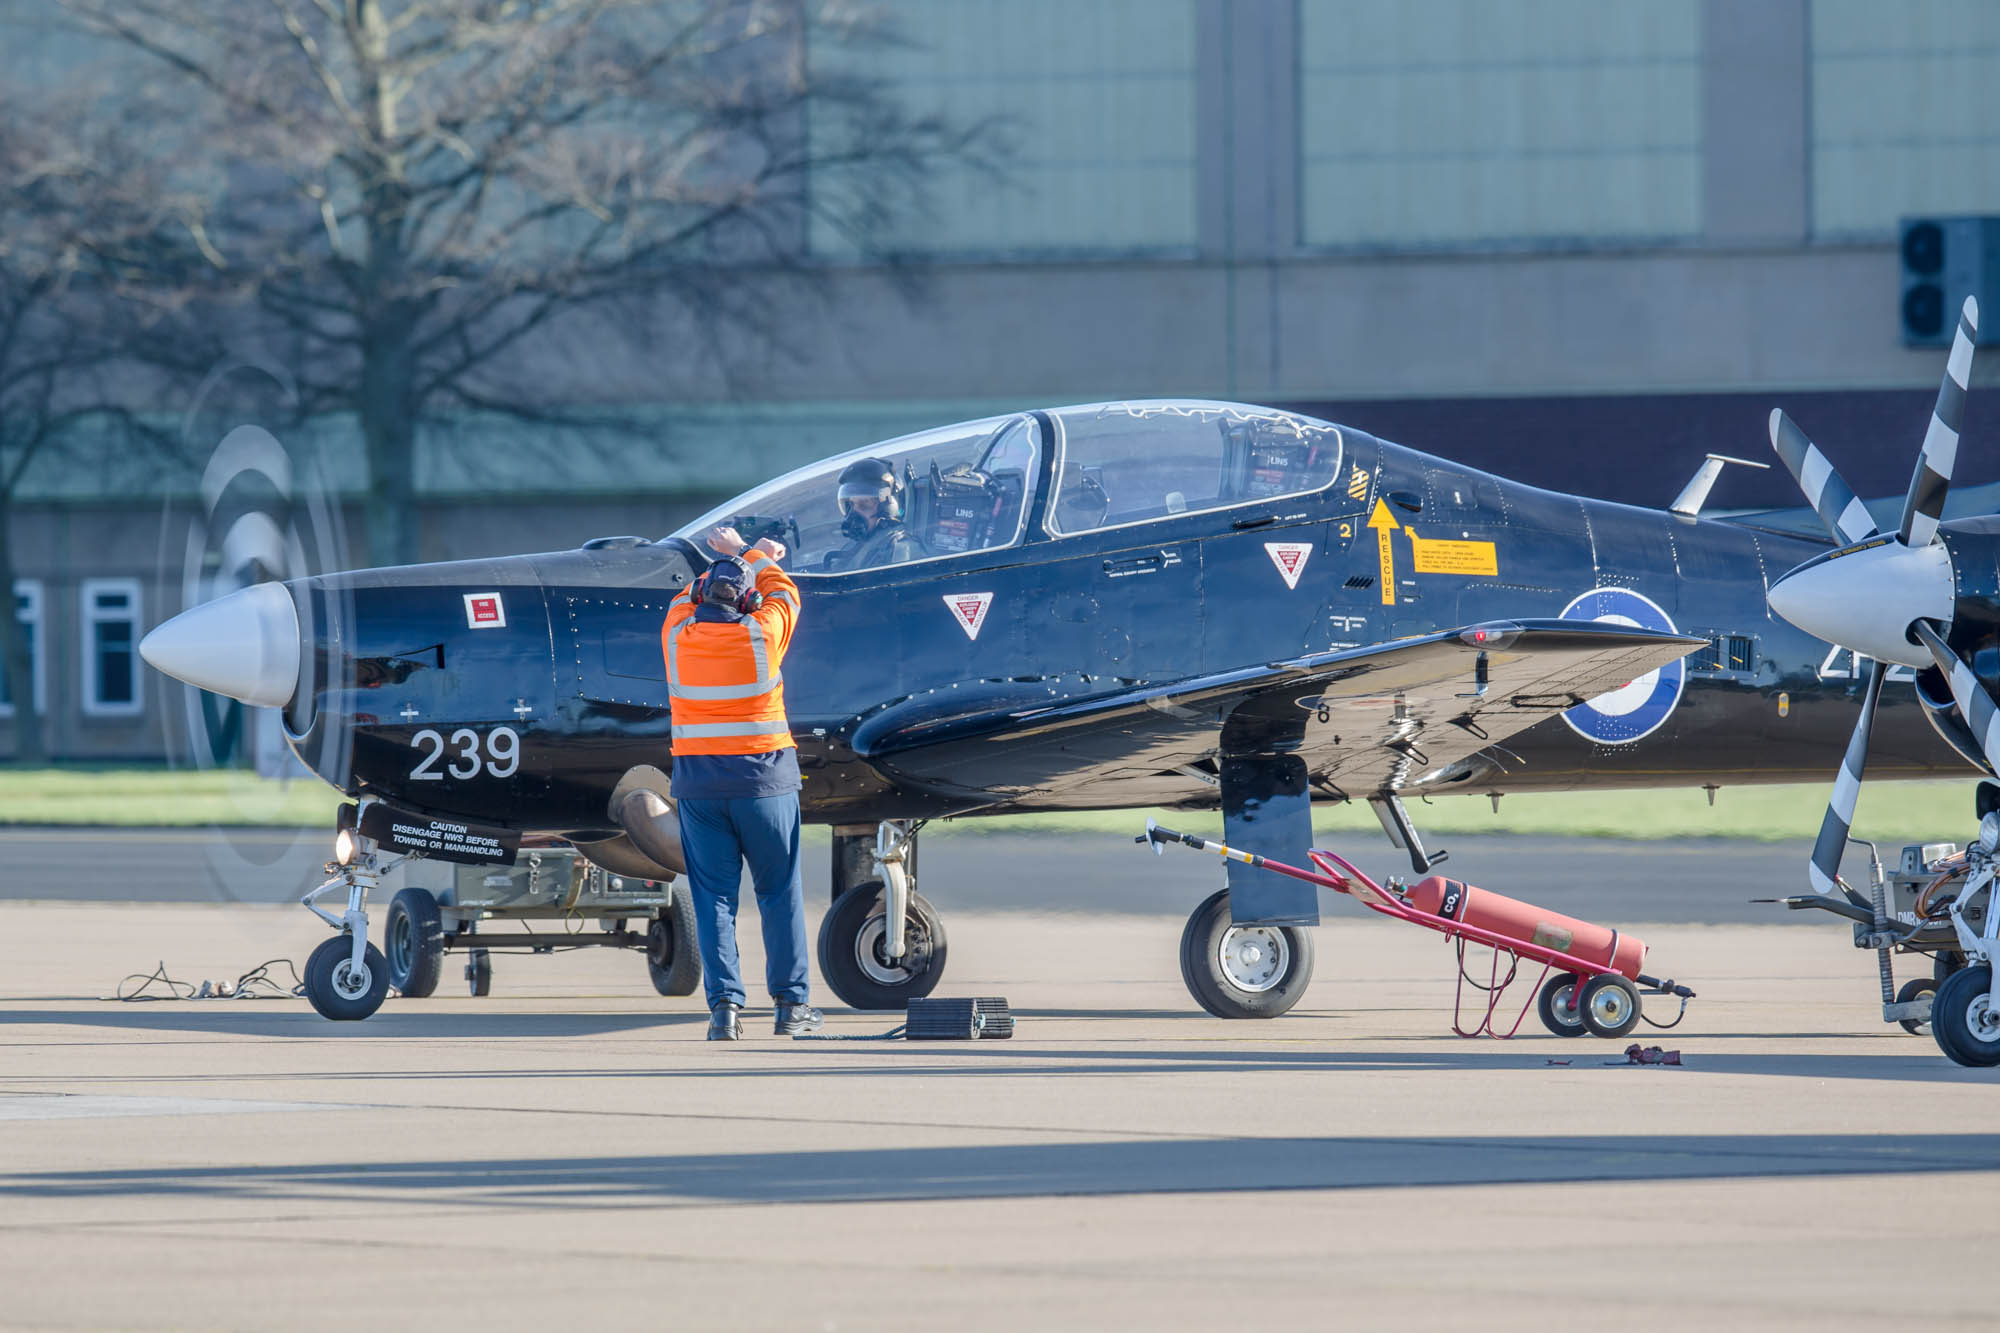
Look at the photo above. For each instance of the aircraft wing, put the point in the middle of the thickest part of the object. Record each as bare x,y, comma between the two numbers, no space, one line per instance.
1393,716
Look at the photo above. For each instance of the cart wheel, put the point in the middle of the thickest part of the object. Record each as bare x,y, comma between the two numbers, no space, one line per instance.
413,939
1964,1025
1609,1005
1945,962
1916,989
1557,1005
336,989
1243,971
479,971
672,958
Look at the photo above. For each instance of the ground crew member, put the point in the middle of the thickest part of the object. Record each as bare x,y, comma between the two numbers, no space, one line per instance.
736,773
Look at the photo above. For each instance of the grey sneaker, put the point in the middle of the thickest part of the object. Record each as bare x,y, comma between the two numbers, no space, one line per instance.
723,1024
796,1018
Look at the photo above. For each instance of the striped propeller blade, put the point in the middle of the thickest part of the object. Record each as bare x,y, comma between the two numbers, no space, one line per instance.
1975,706
1833,499
1839,819
1932,479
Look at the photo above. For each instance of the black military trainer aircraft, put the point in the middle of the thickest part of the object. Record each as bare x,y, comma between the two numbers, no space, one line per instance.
1174,603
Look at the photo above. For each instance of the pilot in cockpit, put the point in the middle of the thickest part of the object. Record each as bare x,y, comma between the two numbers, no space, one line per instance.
871,518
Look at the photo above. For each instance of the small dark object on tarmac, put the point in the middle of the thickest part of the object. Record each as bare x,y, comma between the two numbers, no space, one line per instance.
1564,1063
958,1020
1635,1054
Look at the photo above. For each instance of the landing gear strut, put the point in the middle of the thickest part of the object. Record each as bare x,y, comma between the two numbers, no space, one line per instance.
346,977
881,943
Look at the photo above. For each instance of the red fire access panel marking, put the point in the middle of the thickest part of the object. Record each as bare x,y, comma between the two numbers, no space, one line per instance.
484,610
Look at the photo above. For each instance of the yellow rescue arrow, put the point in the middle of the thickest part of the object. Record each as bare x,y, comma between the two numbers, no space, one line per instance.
1385,523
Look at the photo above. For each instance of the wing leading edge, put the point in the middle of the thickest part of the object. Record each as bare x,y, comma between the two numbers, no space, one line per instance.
1388,717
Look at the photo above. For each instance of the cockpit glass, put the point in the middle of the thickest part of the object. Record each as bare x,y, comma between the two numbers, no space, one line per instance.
1131,462
928,496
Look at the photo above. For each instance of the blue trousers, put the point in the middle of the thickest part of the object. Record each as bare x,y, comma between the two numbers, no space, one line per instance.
717,837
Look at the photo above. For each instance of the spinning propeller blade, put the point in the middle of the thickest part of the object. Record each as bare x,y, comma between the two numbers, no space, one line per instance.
1932,479
1832,843
1975,705
1845,516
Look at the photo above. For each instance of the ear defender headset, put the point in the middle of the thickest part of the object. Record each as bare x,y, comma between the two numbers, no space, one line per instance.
726,583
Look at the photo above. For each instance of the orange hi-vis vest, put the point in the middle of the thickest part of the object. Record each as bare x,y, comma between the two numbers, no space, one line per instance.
723,678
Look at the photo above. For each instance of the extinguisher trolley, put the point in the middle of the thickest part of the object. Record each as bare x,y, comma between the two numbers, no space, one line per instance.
1590,979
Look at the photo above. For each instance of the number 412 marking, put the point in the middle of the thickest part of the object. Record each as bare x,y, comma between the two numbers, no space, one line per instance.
501,759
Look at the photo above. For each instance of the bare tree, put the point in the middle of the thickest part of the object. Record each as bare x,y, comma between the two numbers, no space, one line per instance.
94,251
420,193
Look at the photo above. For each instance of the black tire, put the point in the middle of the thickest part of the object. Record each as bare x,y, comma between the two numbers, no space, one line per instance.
1246,972
1557,1005
1956,1012
1945,962
479,972
1915,989
1608,1005
333,989
850,956
413,941
672,957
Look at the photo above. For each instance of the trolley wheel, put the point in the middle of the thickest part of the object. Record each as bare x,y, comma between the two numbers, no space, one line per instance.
672,958
1243,971
479,971
1557,1005
850,950
336,989
1963,1024
413,939
1915,989
1608,1005
1945,962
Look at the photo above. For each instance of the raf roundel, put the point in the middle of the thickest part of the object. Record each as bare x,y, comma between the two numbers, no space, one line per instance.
1637,709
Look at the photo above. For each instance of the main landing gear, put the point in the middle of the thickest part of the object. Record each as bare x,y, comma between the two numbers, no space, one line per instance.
1243,971
881,943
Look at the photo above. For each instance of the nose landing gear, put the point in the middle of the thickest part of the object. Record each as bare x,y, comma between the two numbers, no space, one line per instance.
346,977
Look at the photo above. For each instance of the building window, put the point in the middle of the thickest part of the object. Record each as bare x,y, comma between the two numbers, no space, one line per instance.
1481,122
1905,112
28,610
1097,103
110,647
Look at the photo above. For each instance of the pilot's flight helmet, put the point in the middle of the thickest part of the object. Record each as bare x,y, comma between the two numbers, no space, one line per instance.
870,478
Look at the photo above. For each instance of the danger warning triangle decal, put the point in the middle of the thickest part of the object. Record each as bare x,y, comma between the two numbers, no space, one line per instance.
1290,558
969,609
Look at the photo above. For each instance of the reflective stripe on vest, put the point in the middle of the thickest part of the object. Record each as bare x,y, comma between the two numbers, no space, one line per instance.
775,727
759,655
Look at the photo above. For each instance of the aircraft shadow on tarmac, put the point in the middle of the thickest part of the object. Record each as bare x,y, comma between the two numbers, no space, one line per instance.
1116,1167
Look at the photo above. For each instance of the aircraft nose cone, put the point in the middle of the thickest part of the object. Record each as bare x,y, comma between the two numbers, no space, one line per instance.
1865,599
245,645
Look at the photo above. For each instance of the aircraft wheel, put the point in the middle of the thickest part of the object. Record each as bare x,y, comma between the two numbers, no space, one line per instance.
479,971
672,957
413,939
853,963
1963,1024
336,988
1243,971
1609,1005
1557,1005
1916,989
